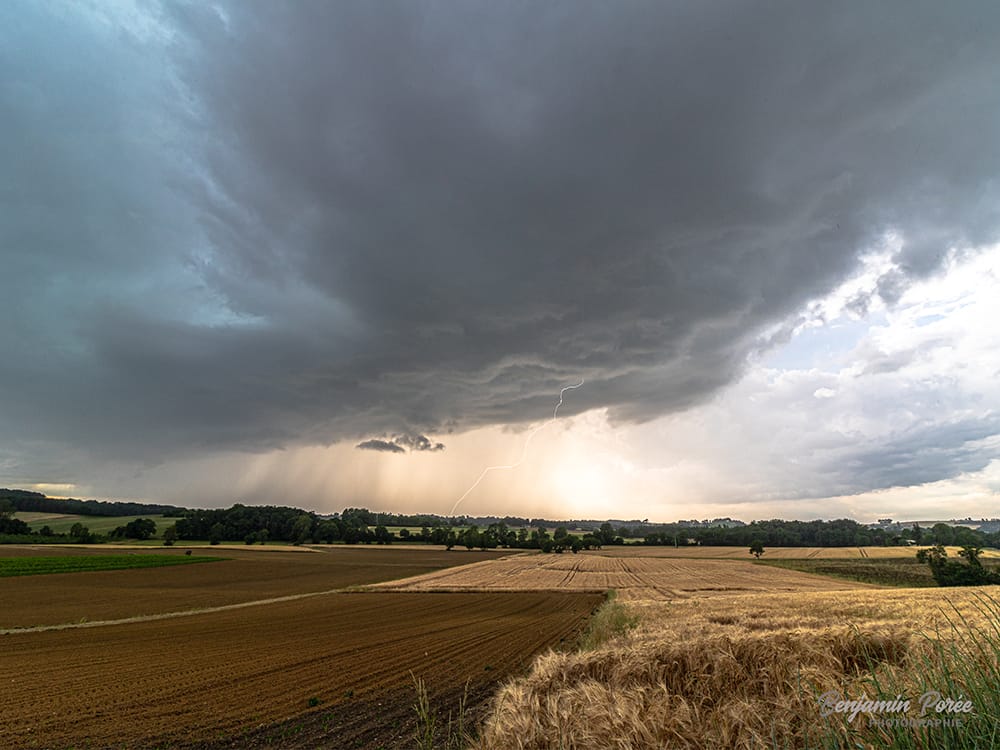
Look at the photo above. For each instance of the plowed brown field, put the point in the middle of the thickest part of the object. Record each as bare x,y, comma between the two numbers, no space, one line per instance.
223,674
635,578
249,575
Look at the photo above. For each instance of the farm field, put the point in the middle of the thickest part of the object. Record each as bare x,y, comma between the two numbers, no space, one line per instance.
220,675
634,577
248,574
776,553
33,566
61,523
744,671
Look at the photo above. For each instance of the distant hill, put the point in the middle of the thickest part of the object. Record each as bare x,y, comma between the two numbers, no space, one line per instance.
35,502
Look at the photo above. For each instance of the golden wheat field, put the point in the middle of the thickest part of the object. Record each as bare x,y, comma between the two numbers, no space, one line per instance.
728,667
776,553
635,578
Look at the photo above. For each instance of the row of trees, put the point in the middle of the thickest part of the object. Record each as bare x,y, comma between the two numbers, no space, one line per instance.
838,533
954,573
35,502
258,524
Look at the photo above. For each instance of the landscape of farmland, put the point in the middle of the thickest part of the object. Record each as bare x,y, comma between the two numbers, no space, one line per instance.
320,646
245,575
250,660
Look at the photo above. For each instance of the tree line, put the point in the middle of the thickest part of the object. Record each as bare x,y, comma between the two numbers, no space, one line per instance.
35,502
255,524
837,533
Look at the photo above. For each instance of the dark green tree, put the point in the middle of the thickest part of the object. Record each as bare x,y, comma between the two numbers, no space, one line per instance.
170,535
140,528
217,533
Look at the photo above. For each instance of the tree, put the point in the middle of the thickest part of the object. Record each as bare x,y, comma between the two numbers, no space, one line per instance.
757,549
943,533
170,535
301,529
971,553
951,573
81,533
216,533
140,528
471,537
606,534
328,531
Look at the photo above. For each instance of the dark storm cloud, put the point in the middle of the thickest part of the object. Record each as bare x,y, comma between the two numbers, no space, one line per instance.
273,223
384,446
401,444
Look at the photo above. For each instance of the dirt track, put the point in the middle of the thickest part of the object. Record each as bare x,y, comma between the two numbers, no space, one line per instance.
224,674
249,574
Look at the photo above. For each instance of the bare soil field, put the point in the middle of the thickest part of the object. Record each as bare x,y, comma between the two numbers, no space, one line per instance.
220,675
250,574
634,577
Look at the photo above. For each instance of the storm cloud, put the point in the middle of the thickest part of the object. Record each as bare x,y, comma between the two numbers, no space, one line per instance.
401,444
251,225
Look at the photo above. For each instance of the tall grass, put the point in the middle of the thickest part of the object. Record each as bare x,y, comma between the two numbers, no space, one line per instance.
456,734
958,660
610,621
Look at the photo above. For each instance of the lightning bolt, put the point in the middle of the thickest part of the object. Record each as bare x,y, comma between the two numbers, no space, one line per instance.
524,450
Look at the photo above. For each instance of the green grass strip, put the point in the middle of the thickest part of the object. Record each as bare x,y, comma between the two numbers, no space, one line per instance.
34,566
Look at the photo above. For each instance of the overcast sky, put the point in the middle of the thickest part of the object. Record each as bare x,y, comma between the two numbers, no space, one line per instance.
350,253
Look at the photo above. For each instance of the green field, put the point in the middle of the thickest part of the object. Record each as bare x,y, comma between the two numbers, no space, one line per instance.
903,571
61,523
33,566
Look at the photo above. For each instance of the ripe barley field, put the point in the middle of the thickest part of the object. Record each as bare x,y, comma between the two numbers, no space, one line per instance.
634,577
779,553
745,669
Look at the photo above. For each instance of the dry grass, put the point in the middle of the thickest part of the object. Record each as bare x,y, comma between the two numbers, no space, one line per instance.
635,578
735,672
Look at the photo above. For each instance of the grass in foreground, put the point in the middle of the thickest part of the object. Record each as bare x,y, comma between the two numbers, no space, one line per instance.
611,620
33,566
958,661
